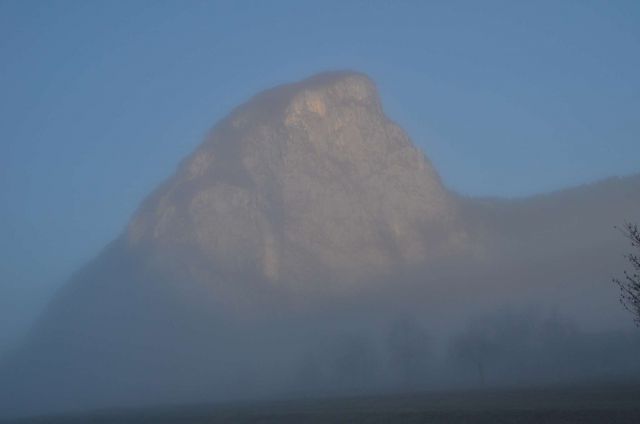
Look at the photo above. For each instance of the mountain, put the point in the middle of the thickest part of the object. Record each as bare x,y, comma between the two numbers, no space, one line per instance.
306,184
286,247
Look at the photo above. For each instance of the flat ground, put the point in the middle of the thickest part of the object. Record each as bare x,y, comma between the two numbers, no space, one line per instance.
602,404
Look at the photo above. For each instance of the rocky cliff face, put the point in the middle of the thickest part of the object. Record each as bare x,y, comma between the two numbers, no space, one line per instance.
305,182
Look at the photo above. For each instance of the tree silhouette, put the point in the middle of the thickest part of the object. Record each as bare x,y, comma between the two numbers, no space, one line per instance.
630,284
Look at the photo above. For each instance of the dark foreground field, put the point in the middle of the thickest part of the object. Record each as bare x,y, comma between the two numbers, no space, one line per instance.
604,404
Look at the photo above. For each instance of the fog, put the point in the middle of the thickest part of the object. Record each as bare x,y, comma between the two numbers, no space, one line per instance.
540,312
307,247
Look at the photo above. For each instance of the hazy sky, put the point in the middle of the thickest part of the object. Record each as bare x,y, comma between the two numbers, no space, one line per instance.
99,101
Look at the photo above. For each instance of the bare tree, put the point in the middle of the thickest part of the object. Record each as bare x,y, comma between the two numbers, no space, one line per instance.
630,284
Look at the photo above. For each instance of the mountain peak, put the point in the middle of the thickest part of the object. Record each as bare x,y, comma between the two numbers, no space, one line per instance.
334,79
306,181
314,96
344,84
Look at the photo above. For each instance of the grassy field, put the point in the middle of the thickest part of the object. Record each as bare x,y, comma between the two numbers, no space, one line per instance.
604,404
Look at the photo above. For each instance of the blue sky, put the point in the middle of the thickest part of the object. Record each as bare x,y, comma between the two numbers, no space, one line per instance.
99,101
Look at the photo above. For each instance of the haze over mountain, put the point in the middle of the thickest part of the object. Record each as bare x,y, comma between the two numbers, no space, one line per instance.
305,182
291,248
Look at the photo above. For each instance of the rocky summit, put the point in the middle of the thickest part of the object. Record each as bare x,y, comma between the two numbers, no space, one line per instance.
305,182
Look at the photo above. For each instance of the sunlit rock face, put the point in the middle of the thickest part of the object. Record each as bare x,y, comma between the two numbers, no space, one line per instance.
306,184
